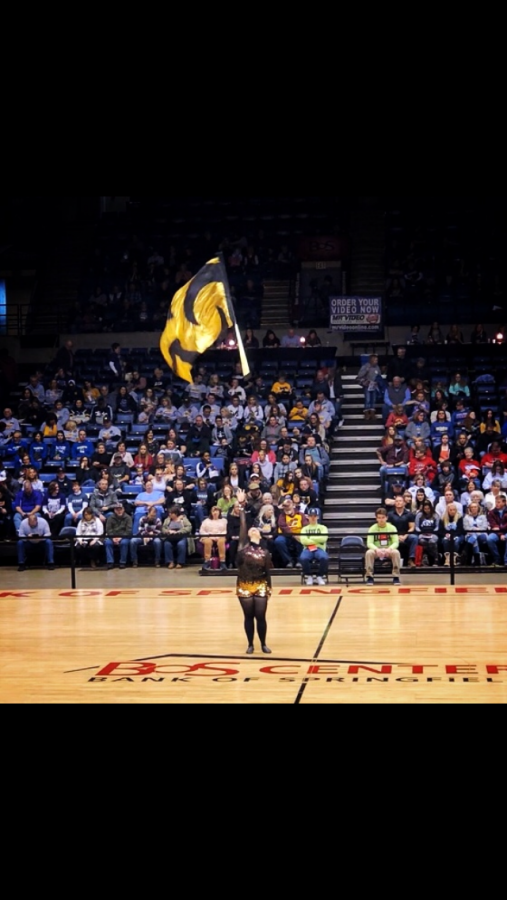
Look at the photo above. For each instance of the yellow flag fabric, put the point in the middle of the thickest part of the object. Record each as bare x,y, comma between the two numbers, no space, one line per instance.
200,312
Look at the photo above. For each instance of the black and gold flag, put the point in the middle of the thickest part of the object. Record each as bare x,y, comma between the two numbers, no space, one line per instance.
200,312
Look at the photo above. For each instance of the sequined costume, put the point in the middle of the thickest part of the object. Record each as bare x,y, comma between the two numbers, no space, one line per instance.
253,586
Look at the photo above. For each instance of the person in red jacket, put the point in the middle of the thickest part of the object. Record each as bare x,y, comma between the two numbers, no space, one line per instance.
422,464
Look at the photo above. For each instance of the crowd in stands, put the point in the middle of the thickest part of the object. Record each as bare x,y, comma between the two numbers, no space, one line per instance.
436,257
128,282
443,460
138,464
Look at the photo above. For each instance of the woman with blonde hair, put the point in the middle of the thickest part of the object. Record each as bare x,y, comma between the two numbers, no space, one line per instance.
450,532
213,530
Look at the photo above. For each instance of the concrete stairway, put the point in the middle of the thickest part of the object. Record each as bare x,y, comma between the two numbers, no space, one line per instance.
275,303
352,493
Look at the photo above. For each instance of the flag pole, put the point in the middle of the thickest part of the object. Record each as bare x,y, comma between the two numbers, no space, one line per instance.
245,366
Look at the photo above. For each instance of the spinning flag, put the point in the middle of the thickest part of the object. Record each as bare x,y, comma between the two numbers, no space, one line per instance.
200,312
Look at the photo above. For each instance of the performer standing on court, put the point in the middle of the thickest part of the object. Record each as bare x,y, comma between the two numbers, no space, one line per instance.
253,586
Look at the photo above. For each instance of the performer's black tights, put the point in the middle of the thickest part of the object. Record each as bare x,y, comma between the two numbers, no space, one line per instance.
254,608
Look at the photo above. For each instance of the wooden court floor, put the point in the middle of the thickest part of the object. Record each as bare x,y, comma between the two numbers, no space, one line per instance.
162,637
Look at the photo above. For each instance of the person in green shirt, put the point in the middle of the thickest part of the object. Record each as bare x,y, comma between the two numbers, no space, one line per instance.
314,537
382,543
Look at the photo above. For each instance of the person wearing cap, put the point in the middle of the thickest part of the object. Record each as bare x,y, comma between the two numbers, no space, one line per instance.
118,534
314,538
118,470
253,585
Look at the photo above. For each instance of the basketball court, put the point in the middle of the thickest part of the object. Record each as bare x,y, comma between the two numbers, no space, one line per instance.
151,636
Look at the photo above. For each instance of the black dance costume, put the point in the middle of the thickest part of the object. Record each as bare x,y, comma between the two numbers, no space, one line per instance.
253,586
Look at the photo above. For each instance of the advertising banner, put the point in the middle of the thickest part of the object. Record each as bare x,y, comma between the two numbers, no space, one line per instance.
356,314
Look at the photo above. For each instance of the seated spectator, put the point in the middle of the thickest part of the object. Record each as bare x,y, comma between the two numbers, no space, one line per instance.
76,503
314,538
489,417
281,392
50,426
496,473
270,340
34,531
396,394
61,448
298,413
89,538
86,475
382,543
458,448
446,475
178,540
422,463
440,426
206,468
495,454
393,456
27,501
148,534
38,451
144,458
312,339
442,451
489,500
497,537
318,453
179,493
478,335
404,522
118,530
477,539
266,522
83,446
226,499
397,419
458,388
103,500
119,472
291,339
420,483
236,476
146,500
451,534
469,469
249,340
445,500
11,423
418,427
287,544
101,458
54,508
110,435
427,524
213,530
483,441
